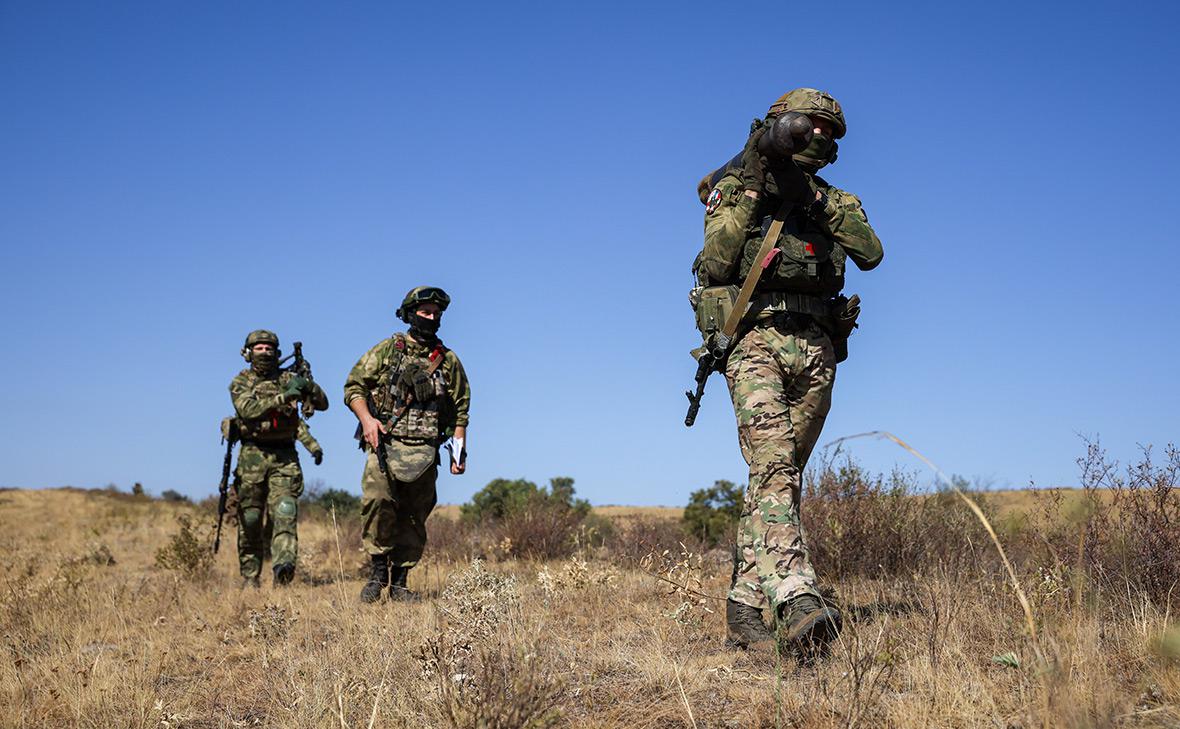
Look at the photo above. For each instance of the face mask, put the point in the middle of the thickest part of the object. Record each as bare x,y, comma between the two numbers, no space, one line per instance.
423,329
816,154
263,363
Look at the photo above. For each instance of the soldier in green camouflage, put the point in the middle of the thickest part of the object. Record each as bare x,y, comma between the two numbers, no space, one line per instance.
268,478
781,370
409,394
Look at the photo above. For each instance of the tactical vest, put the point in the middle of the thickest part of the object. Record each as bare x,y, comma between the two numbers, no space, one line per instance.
277,427
808,263
416,422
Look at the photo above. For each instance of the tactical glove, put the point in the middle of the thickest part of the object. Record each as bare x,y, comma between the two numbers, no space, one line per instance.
753,174
415,380
295,387
792,183
318,457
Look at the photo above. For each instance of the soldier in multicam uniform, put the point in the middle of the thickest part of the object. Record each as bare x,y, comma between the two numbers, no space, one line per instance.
268,477
782,368
409,394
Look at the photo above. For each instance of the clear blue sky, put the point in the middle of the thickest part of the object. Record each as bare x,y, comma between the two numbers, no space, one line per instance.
173,175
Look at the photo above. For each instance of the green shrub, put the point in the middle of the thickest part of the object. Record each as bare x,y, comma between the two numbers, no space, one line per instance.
187,552
339,499
712,514
502,499
175,496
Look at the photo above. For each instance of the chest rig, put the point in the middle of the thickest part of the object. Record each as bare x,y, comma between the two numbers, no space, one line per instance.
278,426
406,417
809,262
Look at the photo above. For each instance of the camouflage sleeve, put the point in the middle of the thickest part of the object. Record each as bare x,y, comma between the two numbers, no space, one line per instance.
460,388
318,397
728,214
846,222
248,405
363,378
303,433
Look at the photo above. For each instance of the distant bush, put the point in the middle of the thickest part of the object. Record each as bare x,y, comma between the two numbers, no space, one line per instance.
137,489
340,500
187,552
517,518
175,496
712,514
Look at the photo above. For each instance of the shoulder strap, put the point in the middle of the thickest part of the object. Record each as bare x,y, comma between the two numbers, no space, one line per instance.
762,261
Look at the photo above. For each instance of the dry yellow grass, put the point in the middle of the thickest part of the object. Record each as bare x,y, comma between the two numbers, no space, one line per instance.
585,644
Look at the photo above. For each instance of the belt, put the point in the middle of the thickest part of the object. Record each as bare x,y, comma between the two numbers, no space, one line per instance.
270,445
776,301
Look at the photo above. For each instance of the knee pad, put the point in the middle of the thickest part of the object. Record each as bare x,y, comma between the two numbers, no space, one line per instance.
286,510
251,517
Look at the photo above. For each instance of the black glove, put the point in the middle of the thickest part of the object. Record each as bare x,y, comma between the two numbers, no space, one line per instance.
318,457
414,379
753,175
792,183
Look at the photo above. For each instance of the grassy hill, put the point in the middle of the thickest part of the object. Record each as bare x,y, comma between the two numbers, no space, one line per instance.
97,634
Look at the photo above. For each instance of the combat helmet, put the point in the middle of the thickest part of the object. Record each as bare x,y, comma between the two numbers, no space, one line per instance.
259,336
812,102
422,295
262,336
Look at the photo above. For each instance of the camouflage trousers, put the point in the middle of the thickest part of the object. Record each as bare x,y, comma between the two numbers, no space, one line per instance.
780,379
270,483
394,512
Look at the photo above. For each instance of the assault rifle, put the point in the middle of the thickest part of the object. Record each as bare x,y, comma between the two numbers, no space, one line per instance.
229,435
712,355
302,368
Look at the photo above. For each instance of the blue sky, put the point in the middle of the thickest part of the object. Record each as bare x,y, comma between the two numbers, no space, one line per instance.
173,175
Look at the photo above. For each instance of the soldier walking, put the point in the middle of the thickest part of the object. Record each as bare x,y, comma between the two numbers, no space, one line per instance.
782,364
409,393
268,477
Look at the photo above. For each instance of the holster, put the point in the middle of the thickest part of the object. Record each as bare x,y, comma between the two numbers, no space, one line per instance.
845,311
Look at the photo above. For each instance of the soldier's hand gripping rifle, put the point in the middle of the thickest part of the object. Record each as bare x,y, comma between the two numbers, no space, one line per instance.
302,368
229,435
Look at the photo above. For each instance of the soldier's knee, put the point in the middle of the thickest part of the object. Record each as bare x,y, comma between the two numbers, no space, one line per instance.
251,517
286,511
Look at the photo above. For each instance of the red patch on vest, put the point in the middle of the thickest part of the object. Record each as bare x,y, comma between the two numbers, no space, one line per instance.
809,248
713,202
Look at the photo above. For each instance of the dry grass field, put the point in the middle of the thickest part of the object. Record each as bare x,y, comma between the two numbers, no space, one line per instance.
96,634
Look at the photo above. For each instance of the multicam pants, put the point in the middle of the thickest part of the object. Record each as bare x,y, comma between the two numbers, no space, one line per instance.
270,483
394,512
780,378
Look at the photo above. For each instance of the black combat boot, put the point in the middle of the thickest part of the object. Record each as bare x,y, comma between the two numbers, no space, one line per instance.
745,626
378,578
807,624
397,587
284,573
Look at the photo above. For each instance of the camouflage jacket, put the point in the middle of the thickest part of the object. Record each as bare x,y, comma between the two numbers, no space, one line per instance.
265,415
375,377
303,433
813,248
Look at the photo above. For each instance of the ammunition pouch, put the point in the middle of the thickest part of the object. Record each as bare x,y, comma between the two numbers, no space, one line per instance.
712,305
231,432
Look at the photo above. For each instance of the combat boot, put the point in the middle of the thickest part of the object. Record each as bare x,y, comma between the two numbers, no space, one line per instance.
397,587
806,625
378,578
745,626
284,573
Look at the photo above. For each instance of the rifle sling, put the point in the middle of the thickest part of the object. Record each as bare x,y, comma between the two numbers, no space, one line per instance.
761,263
